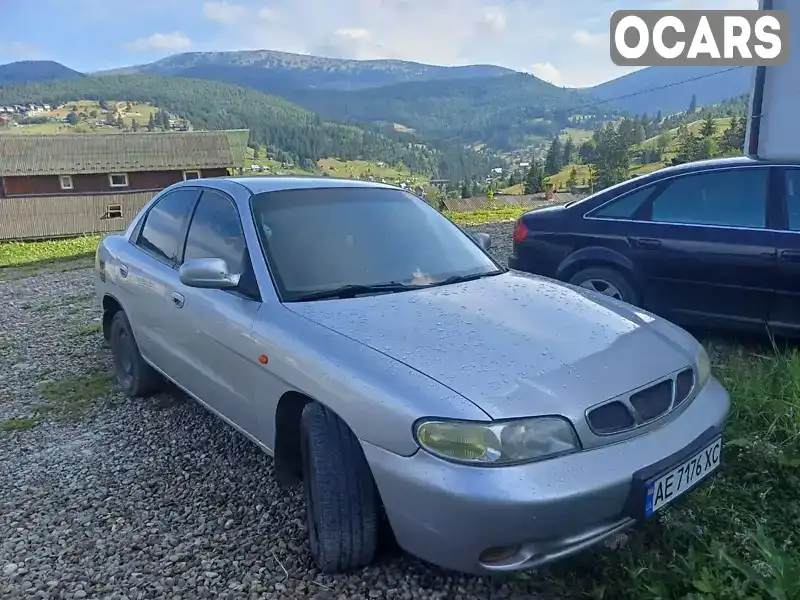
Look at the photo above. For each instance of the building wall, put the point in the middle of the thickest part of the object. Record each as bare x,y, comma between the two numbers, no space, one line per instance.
98,183
32,217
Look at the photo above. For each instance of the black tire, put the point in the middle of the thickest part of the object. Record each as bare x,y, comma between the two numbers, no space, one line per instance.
134,375
342,504
609,275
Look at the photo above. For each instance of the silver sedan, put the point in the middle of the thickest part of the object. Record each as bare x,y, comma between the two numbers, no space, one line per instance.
495,420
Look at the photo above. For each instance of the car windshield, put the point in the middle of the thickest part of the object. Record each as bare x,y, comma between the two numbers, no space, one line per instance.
322,239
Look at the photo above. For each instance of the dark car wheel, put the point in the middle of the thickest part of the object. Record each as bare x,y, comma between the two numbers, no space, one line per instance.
607,281
342,506
135,376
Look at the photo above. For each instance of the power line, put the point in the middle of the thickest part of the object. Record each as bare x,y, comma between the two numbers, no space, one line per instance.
654,89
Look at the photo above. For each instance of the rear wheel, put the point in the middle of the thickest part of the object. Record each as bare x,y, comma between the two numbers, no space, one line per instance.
134,375
342,506
607,281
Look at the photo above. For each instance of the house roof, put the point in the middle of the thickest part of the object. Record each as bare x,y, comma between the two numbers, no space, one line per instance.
87,153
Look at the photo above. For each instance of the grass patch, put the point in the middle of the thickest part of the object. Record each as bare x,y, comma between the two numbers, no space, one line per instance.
89,330
736,538
18,424
73,396
486,215
15,254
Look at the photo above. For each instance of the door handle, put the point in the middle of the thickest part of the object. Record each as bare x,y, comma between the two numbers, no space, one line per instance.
790,255
123,271
177,300
647,243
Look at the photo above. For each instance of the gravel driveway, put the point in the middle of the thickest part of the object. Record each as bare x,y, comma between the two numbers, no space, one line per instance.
112,498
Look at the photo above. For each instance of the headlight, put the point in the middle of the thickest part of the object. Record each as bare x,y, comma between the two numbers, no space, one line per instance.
497,444
703,367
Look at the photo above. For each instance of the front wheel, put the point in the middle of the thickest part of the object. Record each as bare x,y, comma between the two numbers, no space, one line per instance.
342,505
607,281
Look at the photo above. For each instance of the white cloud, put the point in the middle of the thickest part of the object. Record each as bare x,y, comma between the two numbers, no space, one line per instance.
494,18
584,38
563,41
226,13
547,71
161,42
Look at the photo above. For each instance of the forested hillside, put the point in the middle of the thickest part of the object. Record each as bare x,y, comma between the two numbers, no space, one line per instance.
28,71
273,122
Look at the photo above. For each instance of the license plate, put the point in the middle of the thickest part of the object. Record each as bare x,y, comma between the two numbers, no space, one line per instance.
664,489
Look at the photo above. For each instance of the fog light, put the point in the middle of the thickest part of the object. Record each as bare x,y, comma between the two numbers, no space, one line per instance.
498,554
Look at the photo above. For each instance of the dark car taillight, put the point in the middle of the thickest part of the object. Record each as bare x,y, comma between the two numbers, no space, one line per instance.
520,231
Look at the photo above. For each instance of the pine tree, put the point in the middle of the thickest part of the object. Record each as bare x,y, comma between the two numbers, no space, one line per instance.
709,127
151,123
534,180
555,155
569,151
134,125
693,104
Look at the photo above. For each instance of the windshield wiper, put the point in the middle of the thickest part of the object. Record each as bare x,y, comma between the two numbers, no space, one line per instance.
463,278
353,290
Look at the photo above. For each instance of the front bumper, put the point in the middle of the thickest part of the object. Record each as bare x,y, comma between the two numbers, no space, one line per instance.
450,514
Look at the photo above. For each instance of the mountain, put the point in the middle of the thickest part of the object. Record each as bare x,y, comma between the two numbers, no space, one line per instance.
502,112
711,85
269,69
28,71
272,121
474,104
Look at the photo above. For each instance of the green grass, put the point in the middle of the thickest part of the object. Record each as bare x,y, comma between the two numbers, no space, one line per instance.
73,396
486,215
738,537
16,254
18,424
87,331
559,180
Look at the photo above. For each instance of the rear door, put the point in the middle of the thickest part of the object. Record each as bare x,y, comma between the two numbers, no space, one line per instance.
785,316
147,277
703,244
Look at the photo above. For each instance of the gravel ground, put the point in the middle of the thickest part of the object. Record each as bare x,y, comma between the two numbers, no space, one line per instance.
112,498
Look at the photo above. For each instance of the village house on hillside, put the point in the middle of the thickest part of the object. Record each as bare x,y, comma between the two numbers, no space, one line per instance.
68,184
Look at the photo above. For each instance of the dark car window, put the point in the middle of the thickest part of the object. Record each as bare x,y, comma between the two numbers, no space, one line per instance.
324,238
625,207
216,232
793,198
163,226
732,198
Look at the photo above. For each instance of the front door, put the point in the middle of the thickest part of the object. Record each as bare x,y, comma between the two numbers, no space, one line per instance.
213,328
785,316
704,249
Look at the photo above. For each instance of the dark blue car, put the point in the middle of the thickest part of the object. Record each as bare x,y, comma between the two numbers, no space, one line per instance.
712,243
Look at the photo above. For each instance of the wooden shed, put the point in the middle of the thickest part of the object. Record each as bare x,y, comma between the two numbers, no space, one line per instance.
71,184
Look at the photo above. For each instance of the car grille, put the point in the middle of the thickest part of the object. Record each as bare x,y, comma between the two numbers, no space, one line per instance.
643,406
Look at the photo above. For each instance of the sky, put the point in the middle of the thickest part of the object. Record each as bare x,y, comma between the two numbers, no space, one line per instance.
562,41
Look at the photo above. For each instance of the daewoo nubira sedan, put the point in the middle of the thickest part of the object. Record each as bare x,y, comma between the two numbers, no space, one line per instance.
495,420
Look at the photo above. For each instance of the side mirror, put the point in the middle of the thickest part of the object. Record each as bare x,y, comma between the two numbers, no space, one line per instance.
208,273
484,240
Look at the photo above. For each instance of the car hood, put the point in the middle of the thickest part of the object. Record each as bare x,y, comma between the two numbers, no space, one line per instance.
514,344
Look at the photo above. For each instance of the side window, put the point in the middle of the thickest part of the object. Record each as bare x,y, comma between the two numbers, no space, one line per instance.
163,226
216,232
793,198
732,198
625,207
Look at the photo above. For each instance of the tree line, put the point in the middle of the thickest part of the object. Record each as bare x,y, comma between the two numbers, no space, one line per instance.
615,146
273,123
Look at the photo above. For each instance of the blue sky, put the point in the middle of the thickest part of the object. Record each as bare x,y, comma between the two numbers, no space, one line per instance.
563,41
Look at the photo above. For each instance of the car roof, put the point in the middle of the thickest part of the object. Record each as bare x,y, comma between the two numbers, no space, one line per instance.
713,163
277,183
